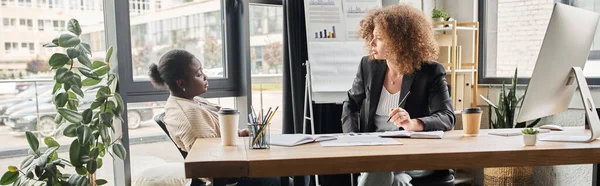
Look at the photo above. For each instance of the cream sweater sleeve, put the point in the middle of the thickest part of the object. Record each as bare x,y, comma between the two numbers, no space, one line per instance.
186,121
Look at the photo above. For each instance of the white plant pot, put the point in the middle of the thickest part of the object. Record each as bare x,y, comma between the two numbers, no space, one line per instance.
438,19
529,139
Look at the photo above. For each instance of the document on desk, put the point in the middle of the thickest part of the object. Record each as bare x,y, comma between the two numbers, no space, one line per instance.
406,134
360,140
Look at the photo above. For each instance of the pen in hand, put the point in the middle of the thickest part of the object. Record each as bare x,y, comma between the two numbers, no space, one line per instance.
403,99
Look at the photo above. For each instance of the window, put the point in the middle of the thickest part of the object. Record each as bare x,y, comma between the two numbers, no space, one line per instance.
5,22
513,34
22,57
266,58
198,32
29,24
40,25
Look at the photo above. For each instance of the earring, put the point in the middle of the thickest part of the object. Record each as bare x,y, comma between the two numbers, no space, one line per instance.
183,89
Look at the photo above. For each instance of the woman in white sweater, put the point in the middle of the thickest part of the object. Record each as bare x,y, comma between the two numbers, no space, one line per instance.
188,116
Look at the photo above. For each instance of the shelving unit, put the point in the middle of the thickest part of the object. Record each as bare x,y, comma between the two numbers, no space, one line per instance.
455,66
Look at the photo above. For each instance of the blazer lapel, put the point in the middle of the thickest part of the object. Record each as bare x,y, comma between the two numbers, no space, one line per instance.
378,76
407,82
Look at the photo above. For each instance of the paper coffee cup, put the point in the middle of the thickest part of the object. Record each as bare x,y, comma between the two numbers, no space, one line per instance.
228,123
471,119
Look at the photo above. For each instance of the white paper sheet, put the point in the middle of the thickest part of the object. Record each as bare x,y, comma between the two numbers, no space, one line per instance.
360,140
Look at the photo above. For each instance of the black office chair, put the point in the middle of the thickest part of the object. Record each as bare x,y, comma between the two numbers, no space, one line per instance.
160,120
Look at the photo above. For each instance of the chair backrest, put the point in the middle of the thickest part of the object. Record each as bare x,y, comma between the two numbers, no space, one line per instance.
160,120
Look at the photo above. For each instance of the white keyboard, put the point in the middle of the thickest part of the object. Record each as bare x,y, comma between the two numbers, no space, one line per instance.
563,138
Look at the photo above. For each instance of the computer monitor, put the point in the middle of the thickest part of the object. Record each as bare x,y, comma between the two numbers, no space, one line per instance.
558,70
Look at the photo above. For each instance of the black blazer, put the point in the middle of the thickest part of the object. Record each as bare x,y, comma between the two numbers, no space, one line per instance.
429,100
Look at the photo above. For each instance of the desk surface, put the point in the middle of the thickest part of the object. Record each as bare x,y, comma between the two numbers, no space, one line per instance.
208,158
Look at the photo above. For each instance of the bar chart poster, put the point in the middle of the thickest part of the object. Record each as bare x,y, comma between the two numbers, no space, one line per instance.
355,11
325,21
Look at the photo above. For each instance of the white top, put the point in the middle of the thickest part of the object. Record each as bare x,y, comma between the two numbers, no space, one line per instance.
386,101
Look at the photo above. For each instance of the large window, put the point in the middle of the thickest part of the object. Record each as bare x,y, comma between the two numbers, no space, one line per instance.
25,90
266,58
514,31
191,25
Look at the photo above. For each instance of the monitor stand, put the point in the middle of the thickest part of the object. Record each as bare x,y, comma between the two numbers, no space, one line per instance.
590,111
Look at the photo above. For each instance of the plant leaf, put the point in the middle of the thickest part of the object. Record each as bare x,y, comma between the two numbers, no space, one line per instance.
106,118
27,161
101,71
63,75
87,116
84,48
101,181
58,60
108,54
84,135
73,27
70,130
84,60
77,91
9,178
99,162
90,82
74,152
57,86
50,142
34,144
119,150
61,99
88,73
119,109
95,105
70,115
81,171
98,64
73,53
92,166
68,40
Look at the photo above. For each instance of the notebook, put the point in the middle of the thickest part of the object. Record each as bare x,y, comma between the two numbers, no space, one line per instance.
290,140
406,134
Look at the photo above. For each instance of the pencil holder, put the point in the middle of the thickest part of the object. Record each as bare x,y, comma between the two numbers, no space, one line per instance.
259,136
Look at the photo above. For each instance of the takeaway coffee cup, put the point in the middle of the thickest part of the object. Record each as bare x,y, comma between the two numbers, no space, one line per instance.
228,123
471,119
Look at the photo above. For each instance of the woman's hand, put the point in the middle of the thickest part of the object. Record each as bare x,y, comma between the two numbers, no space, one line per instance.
402,119
243,133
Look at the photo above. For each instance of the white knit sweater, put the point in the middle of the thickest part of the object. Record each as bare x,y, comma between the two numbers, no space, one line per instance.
188,120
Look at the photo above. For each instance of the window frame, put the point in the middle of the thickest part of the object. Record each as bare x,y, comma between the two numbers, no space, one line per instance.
482,14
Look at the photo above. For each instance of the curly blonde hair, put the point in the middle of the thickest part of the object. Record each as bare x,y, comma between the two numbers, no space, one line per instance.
408,35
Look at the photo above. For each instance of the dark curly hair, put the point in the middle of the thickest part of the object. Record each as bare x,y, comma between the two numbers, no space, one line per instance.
408,35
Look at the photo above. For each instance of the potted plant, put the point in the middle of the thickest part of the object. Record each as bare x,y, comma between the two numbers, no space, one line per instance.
92,128
505,117
530,136
440,15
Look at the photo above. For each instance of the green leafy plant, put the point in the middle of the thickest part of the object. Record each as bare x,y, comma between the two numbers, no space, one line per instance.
506,109
91,128
531,131
437,13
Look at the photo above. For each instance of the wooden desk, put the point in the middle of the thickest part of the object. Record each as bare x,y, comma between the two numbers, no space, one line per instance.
209,159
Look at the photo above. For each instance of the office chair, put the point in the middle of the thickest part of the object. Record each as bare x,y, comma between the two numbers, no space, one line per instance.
159,119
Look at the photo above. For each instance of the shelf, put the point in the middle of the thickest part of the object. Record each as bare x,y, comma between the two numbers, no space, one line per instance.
457,28
457,112
461,71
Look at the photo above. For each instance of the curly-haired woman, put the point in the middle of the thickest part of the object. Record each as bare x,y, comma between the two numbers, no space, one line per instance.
403,49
